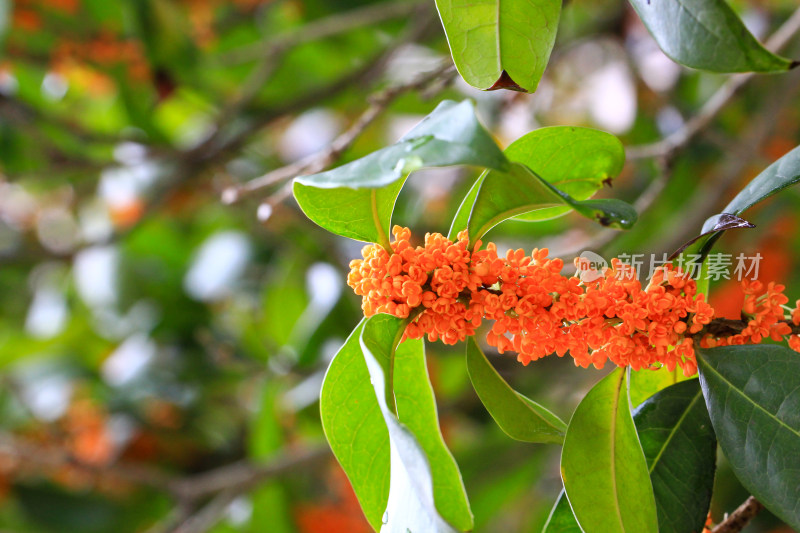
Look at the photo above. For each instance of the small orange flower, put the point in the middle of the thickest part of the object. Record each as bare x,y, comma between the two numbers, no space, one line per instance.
448,291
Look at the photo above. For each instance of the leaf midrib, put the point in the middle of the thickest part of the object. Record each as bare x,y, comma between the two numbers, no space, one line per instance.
613,434
673,432
743,395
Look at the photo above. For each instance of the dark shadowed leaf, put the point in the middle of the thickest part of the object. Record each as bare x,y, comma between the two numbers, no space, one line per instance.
519,417
706,34
422,469
679,446
504,195
753,396
500,43
681,451
603,466
578,161
356,200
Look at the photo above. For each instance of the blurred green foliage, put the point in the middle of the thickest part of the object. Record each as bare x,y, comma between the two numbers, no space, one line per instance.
150,333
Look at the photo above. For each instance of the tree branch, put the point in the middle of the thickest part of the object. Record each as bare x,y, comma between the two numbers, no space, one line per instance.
666,146
742,516
324,158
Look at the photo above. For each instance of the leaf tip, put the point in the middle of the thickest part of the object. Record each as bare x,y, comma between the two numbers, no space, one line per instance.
505,82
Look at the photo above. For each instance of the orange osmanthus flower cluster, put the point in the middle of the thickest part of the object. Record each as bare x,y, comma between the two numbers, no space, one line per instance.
446,291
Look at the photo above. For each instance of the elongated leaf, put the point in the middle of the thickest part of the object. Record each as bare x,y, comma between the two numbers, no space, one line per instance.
416,409
504,195
425,482
646,382
576,160
681,451
781,174
356,200
561,519
706,34
603,466
519,417
753,396
500,44
355,429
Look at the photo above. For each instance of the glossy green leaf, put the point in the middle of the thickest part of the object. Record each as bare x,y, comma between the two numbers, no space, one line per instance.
753,396
500,43
646,382
707,35
603,466
681,450
411,504
517,416
561,519
576,160
355,429
781,174
356,200
504,195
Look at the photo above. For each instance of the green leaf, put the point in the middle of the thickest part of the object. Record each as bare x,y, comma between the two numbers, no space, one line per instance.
646,382
781,174
753,396
561,519
519,417
681,451
500,44
680,448
355,429
411,492
503,195
603,466
356,200
707,35
576,160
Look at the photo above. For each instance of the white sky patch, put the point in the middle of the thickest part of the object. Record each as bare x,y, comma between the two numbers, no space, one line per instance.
47,314
612,102
129,360
309,133
217,265
95,274
46,396
54,86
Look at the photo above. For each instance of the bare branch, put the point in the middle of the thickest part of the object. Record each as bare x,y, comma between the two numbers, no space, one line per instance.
739,519
666,146
324,158
244,475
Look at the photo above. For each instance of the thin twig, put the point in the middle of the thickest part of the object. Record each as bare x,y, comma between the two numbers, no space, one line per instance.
716,103
322,159
244,475
739,519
